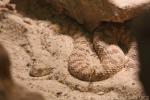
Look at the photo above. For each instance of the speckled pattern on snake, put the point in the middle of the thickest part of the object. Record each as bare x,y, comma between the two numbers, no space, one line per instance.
111,43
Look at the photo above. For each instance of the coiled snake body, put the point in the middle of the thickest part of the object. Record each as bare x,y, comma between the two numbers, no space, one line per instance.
111,44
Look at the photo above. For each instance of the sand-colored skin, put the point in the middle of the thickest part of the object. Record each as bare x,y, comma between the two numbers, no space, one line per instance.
111,44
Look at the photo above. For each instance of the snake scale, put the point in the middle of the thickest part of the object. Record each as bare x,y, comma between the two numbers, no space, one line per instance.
111,43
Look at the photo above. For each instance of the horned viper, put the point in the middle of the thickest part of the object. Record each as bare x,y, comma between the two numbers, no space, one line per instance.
112,43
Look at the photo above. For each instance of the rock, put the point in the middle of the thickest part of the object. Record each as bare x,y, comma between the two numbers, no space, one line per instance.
9,90
141,28
91,13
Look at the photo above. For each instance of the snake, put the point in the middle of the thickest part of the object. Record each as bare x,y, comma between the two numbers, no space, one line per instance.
111,44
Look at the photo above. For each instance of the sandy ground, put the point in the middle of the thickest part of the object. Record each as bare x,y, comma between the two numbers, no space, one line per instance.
40,39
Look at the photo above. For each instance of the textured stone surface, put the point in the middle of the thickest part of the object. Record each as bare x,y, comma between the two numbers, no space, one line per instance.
8,89
92,12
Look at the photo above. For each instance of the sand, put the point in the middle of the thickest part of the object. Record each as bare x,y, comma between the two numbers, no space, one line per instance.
35,38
